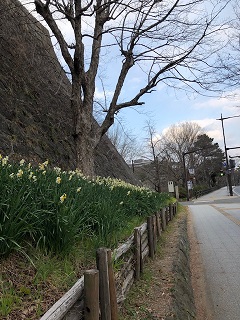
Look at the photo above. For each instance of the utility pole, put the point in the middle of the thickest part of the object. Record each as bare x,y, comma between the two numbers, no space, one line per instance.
228,169
229,176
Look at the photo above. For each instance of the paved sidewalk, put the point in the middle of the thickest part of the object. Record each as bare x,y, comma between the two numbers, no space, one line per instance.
219,239
220,194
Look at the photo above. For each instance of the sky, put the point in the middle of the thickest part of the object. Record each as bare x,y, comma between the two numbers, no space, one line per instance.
165,107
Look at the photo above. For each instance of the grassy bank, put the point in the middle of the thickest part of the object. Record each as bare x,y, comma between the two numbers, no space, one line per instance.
53,209
51,222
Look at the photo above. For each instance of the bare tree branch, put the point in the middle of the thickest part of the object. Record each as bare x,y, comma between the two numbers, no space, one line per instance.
173,42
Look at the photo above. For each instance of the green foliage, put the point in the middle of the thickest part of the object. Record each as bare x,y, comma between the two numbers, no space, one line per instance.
8,299
208,159
53,209
182,192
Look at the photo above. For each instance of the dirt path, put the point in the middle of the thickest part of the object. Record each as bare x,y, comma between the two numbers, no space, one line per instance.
154,296
202,300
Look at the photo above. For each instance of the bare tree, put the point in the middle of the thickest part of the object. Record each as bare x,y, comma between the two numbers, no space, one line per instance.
177,140
149,169
169,41
125,143
165,156
227,69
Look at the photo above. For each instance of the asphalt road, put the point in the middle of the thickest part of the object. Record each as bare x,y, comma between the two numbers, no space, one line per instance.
216,219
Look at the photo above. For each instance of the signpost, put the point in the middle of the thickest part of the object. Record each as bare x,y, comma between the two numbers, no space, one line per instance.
189,170
170,186
189,185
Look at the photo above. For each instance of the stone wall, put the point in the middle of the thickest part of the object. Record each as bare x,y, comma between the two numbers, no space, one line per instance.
36,121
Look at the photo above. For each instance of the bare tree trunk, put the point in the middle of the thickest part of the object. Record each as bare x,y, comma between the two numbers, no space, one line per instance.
85,154
85,134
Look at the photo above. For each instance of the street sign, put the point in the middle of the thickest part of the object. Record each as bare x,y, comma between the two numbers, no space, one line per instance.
170,186
189,184
191,171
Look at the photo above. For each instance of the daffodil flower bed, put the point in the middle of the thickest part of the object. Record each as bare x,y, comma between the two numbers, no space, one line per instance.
53,209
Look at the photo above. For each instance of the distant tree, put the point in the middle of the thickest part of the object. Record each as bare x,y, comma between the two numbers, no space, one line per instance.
177,140
125,143
236,175
153,155
165,157
169,41
165,154
147,165
207,160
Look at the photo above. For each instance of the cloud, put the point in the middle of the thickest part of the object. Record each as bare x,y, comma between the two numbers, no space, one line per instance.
229,103
157,137
100,94
204,123
213,129
216,135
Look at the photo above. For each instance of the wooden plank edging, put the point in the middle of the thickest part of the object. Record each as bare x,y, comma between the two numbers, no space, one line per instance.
62,306
148,233
117,253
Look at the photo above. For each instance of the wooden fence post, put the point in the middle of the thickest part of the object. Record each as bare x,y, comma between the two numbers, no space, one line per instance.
167,215
137,252
150,236
158,224
163,217
154,233
91,295
112,288
104,293
171,211
175,208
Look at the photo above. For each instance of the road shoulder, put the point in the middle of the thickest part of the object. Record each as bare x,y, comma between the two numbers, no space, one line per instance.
203,303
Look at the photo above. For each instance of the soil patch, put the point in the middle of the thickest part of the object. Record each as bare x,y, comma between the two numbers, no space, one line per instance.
173,285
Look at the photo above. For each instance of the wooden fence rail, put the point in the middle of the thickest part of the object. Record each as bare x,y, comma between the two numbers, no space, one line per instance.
97,294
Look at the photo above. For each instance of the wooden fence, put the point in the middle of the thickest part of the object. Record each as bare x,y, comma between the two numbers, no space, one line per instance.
97,294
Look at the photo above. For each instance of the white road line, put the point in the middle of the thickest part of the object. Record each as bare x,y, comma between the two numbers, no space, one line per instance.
236,192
